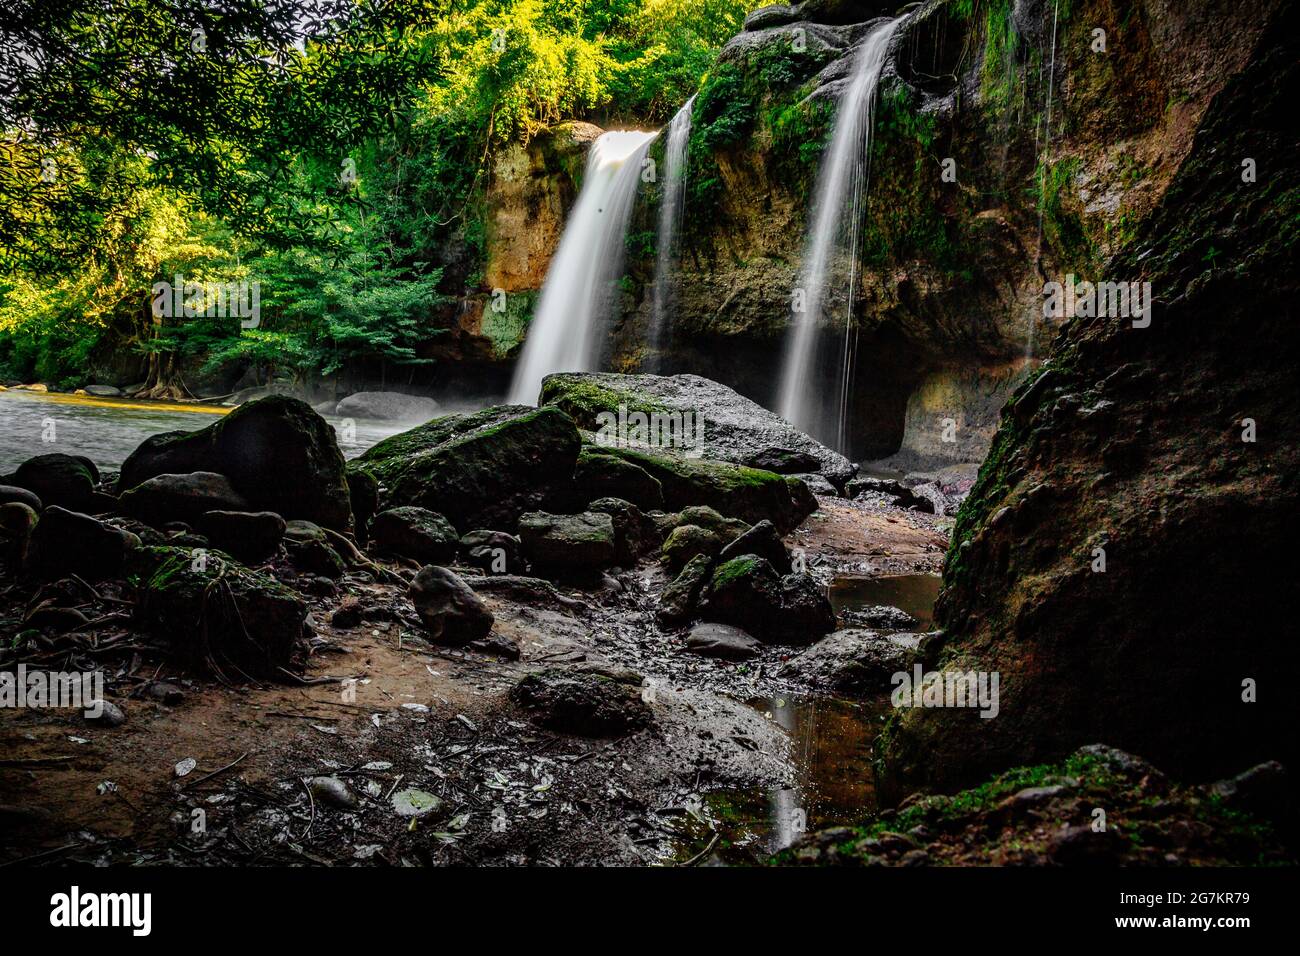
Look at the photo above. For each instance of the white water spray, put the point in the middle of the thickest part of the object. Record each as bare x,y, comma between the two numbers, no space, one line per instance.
670,214
578,294
803,399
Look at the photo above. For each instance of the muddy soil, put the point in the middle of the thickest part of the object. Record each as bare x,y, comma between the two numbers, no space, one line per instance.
382,711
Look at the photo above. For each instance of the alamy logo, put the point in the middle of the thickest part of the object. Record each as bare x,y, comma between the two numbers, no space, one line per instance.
83,690
1107,300
947,689
74,908
680,431
212,300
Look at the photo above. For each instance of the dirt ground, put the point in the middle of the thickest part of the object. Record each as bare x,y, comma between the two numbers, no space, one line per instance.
384,712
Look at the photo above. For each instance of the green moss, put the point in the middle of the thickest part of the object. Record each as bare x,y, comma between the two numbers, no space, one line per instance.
734,570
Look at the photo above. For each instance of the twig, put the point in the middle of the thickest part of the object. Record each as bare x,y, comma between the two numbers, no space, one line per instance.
209,776
42,855
703,853
312,821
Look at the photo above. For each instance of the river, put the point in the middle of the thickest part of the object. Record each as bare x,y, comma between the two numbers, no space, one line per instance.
107,430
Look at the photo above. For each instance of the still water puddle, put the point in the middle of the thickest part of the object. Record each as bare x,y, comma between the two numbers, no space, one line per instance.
913,593
831,751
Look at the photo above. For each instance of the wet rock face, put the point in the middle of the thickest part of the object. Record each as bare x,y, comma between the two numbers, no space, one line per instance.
481,470
451,611
1120,559
710,419
586,703
277,453
217,616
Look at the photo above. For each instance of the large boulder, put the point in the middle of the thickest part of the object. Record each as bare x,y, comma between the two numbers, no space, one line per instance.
415,532
278,454
387,406
165,498
748,593
482,470
216,615
732,428
68,542
58,479
582,542
450,610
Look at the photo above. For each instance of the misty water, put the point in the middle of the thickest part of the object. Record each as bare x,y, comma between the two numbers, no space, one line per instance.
107,430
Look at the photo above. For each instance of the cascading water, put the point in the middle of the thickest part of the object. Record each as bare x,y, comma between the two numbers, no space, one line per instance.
578,294
670,214
805,398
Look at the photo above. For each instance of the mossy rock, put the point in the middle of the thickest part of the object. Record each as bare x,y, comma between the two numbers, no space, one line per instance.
481,470
687,542
734,490
216,615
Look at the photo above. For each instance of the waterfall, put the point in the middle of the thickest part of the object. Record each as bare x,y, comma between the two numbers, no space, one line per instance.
578,294
821,408
670,214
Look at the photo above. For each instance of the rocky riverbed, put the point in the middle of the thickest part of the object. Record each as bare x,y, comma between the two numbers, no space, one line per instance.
489,639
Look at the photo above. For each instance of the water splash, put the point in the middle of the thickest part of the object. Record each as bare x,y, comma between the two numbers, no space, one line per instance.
837,213
578,294
670,214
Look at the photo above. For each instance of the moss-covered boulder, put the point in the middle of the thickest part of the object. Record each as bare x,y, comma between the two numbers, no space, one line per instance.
689,412
582,542
278,453
735,490
414,532
687,542
748,593
586,702
215,615
481,470
599,474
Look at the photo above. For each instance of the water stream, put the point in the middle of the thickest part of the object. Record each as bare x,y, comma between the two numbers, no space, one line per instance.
831,749
670,214
808,397
107,430
577,297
